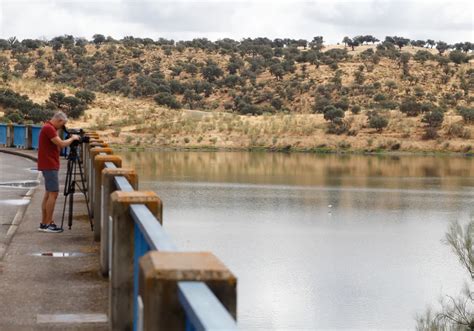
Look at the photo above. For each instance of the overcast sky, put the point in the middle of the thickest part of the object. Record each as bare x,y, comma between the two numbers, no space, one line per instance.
451,20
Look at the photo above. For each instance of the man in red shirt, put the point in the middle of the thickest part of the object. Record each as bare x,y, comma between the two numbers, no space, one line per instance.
49,146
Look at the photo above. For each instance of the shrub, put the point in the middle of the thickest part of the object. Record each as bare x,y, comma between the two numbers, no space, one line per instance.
410,107
433,119
331,113
458,130
337,126
320,104
355,109
342,103
86,96
380,97
378,122
467,114
167,99
430,133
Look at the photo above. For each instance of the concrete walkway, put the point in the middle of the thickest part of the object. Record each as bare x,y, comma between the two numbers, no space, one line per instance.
43,292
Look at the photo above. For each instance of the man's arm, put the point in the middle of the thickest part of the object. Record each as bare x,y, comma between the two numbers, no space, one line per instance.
64,143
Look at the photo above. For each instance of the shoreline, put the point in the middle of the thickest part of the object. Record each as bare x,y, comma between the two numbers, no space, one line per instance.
315,150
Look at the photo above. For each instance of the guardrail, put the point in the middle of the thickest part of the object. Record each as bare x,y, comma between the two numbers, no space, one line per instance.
152,284
19,135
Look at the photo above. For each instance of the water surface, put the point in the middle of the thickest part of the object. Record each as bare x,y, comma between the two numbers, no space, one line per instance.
318,241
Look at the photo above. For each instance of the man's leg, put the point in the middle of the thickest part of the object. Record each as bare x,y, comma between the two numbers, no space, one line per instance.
44,219
50,203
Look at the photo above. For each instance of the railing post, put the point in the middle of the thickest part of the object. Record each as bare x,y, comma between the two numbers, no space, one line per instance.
161,271
93,151
108,186
29,137
93,143
3,134
99,164
10,135
85,153
122,260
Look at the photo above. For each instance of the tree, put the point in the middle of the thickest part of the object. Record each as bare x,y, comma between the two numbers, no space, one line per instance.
211,71
277,70
98,39
457,313
401,42
352,44
431,43
418,43
441,46
317,43
346,41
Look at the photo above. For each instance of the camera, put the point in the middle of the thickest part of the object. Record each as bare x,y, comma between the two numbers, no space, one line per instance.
83,138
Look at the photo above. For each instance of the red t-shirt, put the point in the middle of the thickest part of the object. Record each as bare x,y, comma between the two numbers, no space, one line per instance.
48,152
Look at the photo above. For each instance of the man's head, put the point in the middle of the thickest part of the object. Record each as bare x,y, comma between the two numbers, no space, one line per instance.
59,120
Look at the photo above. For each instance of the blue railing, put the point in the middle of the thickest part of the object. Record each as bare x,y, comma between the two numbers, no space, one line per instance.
20,139
202,308
35,131
24,136
3,134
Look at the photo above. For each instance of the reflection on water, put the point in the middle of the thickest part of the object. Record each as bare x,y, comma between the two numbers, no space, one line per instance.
318,241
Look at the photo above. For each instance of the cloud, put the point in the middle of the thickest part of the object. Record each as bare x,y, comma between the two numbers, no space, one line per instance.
186,19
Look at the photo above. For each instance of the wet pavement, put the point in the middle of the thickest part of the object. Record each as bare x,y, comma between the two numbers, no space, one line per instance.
16,177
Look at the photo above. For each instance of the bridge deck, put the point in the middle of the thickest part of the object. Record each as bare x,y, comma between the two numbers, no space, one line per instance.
48,292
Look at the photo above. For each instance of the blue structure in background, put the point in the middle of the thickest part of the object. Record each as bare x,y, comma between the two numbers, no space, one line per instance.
35,130
3,134
19,136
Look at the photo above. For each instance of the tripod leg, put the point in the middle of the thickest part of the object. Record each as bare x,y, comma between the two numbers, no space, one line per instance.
71,204
83,190
64,210
67,188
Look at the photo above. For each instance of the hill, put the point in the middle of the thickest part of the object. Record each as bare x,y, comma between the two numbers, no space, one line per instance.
250,94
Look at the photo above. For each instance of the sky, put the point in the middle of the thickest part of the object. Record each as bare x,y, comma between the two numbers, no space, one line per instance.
450,21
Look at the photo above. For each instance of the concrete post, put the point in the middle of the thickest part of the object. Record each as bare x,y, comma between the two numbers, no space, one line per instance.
108,186
93,151
29,137
161,271
85,150
99,164
121,278
9,135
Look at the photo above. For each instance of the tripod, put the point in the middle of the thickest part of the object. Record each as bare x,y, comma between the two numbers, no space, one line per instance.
74,163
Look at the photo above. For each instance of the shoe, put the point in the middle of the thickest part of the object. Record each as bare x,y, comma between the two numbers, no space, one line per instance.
42,227
52,228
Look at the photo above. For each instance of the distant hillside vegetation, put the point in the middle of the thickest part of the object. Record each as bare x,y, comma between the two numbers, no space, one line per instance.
364,94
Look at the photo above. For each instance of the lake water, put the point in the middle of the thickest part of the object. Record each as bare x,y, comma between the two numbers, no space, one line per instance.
318,241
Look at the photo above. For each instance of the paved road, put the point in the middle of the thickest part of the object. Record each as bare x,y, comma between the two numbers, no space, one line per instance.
13,169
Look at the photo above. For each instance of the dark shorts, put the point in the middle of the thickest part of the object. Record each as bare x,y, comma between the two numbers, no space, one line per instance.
51,180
